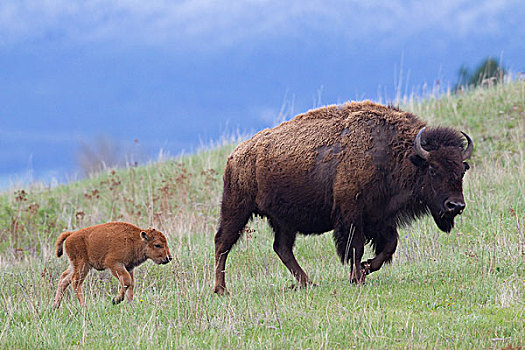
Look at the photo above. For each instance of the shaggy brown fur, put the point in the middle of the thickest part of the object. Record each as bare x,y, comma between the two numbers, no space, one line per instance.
352,168
117,246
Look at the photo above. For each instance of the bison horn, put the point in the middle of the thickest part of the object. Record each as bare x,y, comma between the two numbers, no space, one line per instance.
417,145
470,146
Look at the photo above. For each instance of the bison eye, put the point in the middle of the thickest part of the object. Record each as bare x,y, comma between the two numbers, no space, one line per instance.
432,171
158,246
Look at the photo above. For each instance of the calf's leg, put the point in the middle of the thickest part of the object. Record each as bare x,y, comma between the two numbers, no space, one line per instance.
64,281
129,292
123,276
80,272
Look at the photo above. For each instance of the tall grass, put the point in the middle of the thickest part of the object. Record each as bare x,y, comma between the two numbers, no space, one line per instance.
459,290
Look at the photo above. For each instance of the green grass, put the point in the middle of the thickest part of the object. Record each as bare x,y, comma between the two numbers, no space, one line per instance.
459,290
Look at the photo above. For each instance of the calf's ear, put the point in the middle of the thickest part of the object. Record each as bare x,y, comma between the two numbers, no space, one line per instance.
144,236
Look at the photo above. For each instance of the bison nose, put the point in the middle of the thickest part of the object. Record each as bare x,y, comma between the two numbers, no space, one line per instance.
169,258
454,207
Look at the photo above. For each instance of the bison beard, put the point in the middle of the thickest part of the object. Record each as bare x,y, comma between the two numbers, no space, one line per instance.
360,169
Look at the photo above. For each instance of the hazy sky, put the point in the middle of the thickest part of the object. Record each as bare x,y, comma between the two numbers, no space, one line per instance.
177,74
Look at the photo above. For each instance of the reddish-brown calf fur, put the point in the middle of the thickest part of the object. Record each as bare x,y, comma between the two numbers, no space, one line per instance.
117,246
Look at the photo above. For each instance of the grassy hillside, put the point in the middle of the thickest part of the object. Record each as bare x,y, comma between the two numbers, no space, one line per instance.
459,290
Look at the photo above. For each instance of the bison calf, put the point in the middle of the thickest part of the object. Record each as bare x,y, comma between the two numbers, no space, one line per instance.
117,246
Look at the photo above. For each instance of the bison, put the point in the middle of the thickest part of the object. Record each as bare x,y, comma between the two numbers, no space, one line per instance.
361,169
117,246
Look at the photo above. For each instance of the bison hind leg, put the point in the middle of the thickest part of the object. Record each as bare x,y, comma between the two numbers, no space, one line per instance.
80,271
64,282
283,247
230,230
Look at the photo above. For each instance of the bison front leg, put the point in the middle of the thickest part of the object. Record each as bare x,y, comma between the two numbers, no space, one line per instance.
358,273
385,247
129,292
350,245
126,282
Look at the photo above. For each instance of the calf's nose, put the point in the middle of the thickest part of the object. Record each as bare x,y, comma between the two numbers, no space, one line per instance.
454,206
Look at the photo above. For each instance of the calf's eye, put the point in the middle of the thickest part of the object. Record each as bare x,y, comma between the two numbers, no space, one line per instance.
158,246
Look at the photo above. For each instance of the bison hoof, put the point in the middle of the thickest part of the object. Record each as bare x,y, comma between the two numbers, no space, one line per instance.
359,280
302,286
116,300
365,267
221,291
358,277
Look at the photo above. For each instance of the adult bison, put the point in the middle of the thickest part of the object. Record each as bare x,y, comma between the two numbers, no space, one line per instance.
360,169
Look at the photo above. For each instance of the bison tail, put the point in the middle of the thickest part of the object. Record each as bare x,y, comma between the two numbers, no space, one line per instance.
60,242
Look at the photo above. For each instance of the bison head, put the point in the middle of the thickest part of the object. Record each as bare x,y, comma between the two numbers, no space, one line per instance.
440,157
156,246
